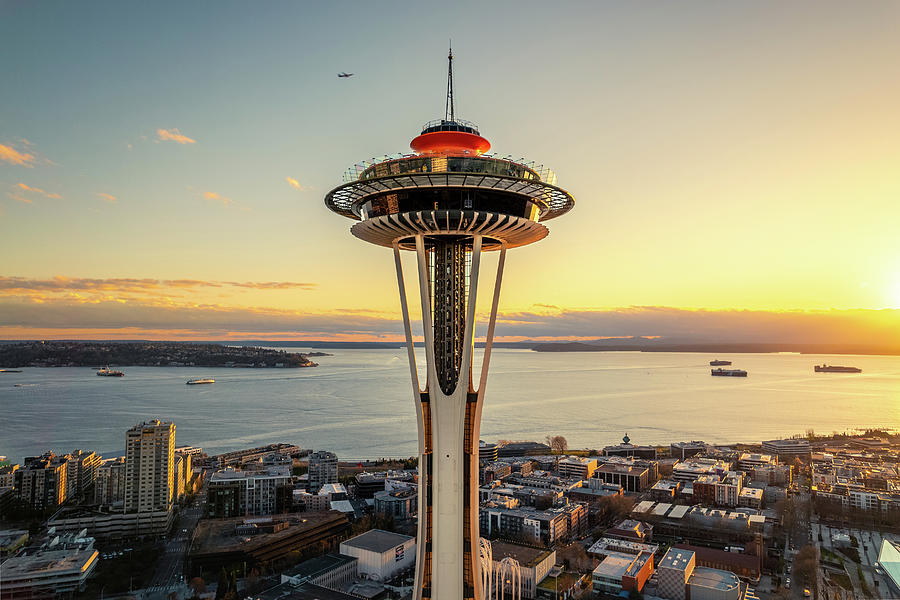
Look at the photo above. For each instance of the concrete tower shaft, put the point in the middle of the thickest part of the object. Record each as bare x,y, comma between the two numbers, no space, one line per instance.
449,203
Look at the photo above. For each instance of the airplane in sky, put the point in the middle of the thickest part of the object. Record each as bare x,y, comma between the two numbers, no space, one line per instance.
342,74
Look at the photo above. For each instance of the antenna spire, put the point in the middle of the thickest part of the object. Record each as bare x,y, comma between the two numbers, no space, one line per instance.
448,107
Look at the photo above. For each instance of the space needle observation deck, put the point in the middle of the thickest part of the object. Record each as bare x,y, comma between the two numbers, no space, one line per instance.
449,201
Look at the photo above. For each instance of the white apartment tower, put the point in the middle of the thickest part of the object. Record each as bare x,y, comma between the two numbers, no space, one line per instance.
323,469
149,467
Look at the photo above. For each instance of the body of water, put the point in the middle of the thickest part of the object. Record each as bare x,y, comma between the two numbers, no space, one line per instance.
359,404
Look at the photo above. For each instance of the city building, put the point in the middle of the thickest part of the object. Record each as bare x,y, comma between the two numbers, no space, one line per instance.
487,452
381,554
304,501
632,531
665,490
43,481
673,572
449,202
112,524
685,450
233,493
581,467
150,467
534,564
55,570
690,470
239,457
748,461
622,573
751,497
772,474
109,488
217,543
524,524
626,448
330,571
81,475
323,469
787,449
8,475
632,476
400,504
517,449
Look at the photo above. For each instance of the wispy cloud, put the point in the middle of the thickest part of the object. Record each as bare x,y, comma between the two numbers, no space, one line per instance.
216,197
174,135
9,285
171,318
12,156
294,183
108,197
22,192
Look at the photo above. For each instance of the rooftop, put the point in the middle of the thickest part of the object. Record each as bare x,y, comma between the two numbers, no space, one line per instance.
714,579
320,564
613,567
676,559
525,555
377,540
47,563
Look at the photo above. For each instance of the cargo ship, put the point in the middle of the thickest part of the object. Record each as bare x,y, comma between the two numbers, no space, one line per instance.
200,381
719,363
836,369
107,372
728,373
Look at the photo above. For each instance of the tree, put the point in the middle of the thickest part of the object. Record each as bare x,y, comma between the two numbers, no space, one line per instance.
197,585
557,443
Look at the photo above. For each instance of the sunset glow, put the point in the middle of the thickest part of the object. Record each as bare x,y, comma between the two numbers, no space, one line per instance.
725,159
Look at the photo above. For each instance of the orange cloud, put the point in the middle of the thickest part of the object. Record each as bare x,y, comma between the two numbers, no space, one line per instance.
108,197
22,189
216,197
174,135
294,183
14,157
77,286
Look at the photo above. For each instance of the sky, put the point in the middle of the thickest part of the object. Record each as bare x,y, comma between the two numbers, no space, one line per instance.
736,165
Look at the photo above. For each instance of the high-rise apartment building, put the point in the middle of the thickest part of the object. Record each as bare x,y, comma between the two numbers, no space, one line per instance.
81,471
110,486
149,467
42,482
323,469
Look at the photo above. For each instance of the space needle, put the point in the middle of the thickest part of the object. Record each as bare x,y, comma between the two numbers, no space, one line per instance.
449,202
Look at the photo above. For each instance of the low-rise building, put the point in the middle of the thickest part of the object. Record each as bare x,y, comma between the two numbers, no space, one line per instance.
331,571
690,470
673,573
628,449
751,497
233,493
400,504
749,461
665,490
577,466
381,554
787,449
632,477
622,573
685,450
534,564
631,530
56,570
